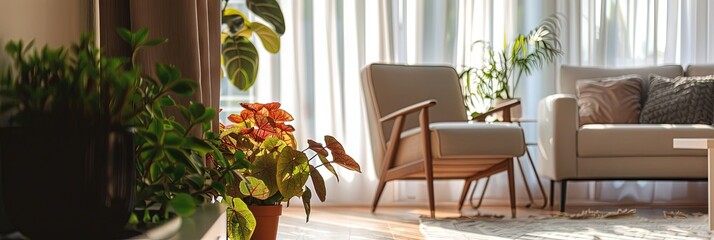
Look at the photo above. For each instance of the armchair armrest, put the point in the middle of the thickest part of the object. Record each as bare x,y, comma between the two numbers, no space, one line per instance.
409,109
557,136
504,107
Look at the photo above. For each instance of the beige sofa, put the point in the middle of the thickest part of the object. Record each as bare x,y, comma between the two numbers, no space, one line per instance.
591,152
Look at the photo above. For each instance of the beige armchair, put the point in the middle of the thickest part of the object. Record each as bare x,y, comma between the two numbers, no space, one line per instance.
419,130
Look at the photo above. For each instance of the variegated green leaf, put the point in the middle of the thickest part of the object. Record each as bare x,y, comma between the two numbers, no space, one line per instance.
241,222
241,61
293,170
255,188
265,168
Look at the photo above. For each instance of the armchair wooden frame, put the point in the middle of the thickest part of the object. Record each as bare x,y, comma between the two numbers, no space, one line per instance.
426,165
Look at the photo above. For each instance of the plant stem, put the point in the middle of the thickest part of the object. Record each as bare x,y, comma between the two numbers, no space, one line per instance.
324,164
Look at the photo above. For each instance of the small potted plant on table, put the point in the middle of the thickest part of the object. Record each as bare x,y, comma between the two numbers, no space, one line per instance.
273,171
499,75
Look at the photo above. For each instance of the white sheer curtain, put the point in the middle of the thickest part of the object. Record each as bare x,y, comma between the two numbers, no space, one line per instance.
316,76
317,73
619,33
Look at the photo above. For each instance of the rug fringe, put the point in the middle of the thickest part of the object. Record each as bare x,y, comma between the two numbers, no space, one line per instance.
588,214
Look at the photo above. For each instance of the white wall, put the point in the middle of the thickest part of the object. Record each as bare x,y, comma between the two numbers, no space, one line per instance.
53,22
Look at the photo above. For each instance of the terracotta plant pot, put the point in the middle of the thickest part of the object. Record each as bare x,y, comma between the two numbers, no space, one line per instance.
68,182
267,218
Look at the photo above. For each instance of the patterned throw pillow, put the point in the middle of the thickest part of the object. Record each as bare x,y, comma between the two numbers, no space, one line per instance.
682,100
609,100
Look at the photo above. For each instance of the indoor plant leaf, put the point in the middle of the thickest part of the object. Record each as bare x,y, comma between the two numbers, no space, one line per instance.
183,204
317,147
254,187
328,165
265,168
270,40
241,222
241,61
155,171
319,183
292,172
306,196
235,20
270,11
339,155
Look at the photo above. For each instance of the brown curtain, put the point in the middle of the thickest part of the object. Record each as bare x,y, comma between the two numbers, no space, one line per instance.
192,28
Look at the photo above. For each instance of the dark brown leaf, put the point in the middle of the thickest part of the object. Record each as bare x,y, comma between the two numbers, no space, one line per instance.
339,155
319,183
317,147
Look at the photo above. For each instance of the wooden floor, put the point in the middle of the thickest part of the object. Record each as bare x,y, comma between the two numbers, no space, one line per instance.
403,222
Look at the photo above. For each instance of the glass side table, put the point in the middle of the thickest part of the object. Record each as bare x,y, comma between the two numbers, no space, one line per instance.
504,109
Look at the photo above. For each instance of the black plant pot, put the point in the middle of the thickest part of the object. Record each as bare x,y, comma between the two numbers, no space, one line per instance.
68,182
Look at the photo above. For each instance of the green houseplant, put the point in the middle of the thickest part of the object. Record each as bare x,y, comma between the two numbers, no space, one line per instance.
80,103
123,149
171,170
274,170
501,71
239,55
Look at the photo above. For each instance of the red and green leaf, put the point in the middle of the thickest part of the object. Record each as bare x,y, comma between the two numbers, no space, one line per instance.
339,155
241,222
236,118
254,187
265,168
257,106
263,128
280,115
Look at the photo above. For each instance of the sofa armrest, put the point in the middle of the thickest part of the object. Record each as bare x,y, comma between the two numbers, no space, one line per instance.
557,136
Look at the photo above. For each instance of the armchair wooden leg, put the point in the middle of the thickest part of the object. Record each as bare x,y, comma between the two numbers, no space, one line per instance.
467,185
552,191
512,188
378,194
563,194
430,190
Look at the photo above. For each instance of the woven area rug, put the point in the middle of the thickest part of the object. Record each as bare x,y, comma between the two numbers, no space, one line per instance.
561,227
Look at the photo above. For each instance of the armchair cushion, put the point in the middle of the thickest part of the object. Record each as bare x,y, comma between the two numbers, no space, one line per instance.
609,100
637,140
682,100
464,140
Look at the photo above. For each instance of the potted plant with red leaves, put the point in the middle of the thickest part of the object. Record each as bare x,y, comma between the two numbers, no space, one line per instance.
260,139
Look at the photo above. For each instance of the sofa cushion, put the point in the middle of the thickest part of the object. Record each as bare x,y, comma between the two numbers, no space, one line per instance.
650,167
682,100
609,100
699,70
638,140
569,75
